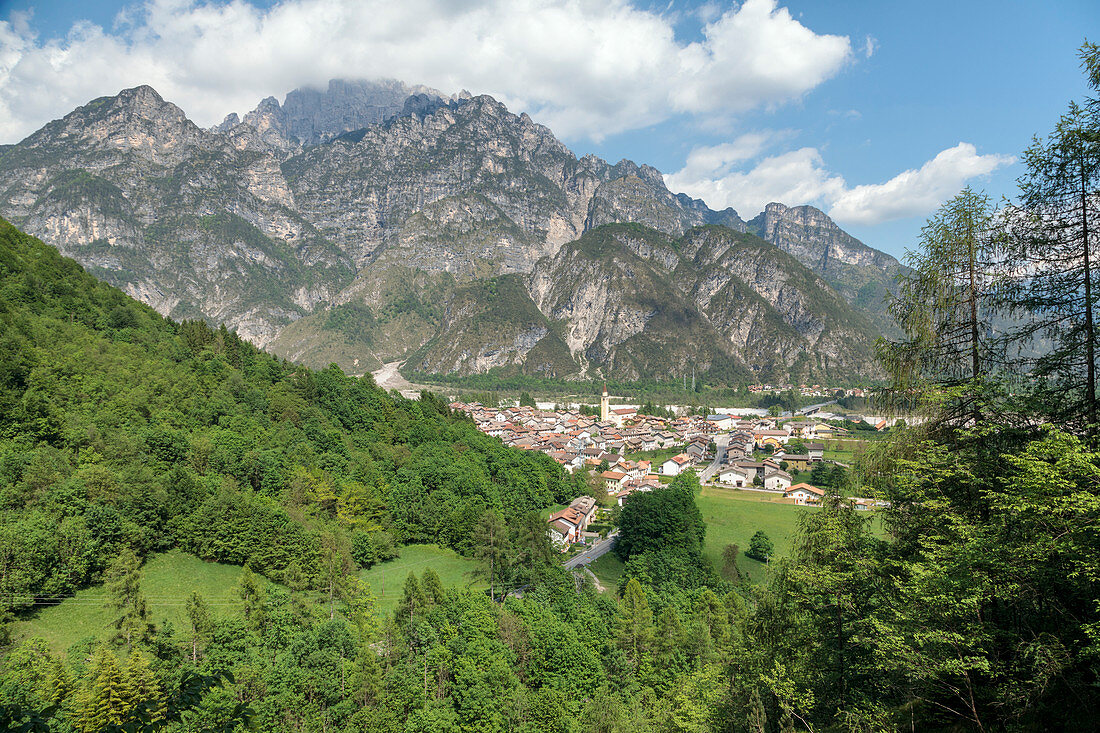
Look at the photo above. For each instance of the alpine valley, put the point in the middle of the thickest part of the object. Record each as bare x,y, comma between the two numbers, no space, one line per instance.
375,222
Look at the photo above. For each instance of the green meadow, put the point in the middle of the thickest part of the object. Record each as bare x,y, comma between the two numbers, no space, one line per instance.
387,580
169,580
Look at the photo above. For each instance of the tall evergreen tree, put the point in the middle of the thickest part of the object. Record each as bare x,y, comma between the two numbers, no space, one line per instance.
1050,251
126,599
491,548
254,594
107,698
635,623
943,306
198,616
142,689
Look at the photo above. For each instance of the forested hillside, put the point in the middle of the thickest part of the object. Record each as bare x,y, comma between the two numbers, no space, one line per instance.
122,429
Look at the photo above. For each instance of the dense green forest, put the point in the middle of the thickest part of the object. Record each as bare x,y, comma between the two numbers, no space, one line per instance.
970,602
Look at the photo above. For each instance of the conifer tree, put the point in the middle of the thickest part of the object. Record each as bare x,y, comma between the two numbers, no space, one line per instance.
366,677
143,689
432,587
336,566
635,622
1050,248
412,601
943,307
123,580
58,684
107,701
491,549
254,595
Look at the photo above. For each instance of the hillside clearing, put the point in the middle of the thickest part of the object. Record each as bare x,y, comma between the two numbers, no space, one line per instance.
169,580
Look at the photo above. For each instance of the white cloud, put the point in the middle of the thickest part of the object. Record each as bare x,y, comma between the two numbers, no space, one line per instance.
801,177
796,176
915,192
588,68
870,45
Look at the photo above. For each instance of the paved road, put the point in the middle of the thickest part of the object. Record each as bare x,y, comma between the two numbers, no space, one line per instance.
720,441
599,549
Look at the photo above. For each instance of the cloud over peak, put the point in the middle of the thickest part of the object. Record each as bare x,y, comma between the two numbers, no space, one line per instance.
588,69
717,175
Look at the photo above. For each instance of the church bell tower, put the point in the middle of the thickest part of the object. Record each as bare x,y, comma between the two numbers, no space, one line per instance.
605,413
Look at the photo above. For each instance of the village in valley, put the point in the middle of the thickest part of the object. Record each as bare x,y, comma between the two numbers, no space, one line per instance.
625,452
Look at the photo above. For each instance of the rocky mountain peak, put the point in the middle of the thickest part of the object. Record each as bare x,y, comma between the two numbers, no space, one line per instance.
139,104
391,196
137,120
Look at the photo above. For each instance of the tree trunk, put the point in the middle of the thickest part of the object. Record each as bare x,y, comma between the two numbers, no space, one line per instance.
975,365
1090,367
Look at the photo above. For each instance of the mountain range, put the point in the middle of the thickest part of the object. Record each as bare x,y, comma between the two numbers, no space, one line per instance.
376,221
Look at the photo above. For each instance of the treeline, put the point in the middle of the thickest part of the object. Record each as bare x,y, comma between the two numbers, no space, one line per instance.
121,429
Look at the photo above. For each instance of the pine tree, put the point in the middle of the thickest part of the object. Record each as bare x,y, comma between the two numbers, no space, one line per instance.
412,602
491,549
254,595
1050,247
635,622
58,683
366,677
943,307
143,689
107,700
432,587
123,580
336,566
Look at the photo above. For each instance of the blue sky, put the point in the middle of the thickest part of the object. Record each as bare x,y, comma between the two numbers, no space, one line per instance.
805,102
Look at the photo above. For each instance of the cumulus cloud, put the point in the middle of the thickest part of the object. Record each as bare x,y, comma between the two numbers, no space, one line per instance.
915,192
795,176
588,69
801,177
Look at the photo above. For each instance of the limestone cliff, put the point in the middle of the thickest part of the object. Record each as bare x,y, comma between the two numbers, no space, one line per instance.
363,223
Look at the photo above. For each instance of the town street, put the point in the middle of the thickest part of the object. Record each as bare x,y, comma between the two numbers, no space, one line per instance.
600,549
720,441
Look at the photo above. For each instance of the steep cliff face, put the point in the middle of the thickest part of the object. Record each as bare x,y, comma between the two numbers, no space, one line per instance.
363,188
632,301
362,224
832,337
862,275
196,224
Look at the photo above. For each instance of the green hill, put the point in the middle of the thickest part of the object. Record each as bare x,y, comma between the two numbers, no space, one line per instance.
120,428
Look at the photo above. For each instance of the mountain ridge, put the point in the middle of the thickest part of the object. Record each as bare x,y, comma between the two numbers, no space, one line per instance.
244,223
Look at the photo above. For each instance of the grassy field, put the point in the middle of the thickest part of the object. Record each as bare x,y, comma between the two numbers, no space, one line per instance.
608,569
733,517
656,457
387,580
169,580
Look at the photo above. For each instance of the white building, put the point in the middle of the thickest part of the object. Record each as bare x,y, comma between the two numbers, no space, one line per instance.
676,465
